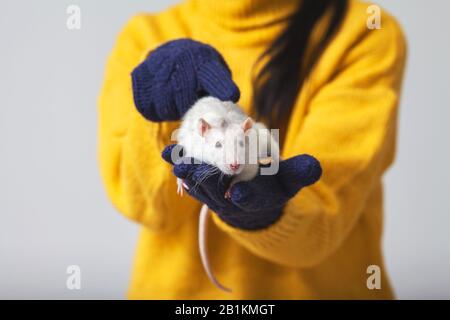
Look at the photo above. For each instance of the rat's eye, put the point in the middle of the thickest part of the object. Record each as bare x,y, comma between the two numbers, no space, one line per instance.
218,144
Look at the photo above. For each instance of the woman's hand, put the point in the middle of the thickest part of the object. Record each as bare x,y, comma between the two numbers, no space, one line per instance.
178,73
253,204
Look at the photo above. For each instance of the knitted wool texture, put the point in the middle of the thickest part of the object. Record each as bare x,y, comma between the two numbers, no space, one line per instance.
175,75
345,115
254,204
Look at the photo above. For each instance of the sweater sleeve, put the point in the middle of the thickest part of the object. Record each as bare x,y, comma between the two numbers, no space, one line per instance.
349,125
138,183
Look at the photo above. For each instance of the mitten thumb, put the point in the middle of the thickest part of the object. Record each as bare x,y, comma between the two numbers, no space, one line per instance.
298,172
172,153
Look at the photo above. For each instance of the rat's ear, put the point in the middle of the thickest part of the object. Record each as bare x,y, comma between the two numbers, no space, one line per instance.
247,124
203,126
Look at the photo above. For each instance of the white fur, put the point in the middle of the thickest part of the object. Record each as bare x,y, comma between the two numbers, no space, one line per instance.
226,126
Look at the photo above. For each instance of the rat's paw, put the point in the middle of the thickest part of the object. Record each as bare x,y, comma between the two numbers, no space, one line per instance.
181,185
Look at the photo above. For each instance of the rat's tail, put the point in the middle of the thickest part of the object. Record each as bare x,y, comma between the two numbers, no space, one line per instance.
202,230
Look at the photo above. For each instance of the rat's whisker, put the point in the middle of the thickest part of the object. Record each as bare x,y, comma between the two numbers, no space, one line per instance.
219,181
205,175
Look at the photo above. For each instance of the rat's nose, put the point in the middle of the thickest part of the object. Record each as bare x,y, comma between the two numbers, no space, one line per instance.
234,166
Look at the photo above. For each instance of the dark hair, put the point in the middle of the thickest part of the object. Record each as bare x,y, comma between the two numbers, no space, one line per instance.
280,79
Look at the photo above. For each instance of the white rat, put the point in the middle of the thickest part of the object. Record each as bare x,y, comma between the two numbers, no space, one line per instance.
220,134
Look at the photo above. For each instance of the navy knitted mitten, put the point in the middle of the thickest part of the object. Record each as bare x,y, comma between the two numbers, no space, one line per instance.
254,204
175,75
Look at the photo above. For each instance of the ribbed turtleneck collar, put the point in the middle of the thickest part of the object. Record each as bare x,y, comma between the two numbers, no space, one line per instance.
244,14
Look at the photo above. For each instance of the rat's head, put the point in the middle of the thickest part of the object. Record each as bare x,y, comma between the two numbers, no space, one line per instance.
225,144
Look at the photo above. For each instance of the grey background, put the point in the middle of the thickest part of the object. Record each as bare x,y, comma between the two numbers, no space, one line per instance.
54,212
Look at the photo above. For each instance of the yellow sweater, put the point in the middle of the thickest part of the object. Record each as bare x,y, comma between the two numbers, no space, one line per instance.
345,116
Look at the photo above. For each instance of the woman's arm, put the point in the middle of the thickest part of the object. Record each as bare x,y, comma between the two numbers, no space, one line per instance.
350,128
161,85
138,183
